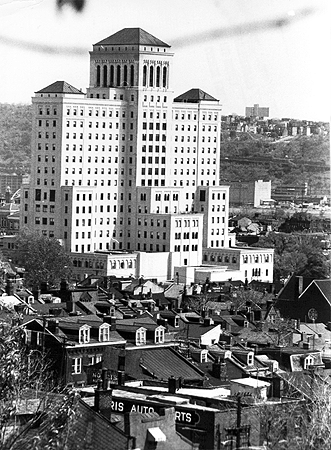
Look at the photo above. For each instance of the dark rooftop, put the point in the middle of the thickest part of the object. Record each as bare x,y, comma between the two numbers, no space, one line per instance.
194,96
132,36
59,87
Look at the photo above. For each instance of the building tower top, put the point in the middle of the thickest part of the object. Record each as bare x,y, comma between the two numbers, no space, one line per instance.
132,36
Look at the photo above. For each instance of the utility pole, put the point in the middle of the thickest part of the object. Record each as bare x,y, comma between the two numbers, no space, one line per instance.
238,422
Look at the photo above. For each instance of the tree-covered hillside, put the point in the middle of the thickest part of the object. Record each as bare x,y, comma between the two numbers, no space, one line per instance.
15,138
290,161
248,157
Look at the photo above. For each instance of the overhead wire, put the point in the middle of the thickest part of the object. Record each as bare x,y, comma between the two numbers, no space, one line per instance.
180,42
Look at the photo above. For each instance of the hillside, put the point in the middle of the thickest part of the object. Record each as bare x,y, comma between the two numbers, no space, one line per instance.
250,157
15,140
292,161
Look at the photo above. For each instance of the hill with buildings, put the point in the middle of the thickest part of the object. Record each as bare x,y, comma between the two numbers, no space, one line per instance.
292,160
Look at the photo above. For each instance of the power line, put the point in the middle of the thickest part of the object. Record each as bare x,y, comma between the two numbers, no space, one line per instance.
211,35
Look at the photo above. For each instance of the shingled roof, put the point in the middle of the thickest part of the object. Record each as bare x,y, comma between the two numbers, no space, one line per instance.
59,87
132,36
194,96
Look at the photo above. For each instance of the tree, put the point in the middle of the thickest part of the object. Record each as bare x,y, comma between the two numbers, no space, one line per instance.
44,259
25,379
304,424
300,253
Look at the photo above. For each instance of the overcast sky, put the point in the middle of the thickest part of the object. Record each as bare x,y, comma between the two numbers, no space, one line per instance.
284,67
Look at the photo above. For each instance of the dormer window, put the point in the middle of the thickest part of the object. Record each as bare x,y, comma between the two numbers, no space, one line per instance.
104,332
159,335
176,322
204,356
250,358
141,336
309,361
84,334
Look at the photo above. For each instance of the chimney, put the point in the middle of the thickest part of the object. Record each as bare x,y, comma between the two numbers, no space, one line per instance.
10,286
121,378
71,306
8,195
300,285
53,326
216,367
172,385
44,287
64,286
111,321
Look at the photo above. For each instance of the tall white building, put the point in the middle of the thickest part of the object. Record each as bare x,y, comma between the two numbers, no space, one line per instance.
127,166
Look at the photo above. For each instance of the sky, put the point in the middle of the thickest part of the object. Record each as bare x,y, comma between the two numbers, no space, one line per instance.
272,52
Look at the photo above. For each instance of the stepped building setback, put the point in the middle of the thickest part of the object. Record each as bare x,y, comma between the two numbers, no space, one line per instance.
127,167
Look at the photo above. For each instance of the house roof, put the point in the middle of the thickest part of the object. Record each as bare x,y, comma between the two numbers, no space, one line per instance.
194,95
132,36
325,287
196,330
162,362
59,87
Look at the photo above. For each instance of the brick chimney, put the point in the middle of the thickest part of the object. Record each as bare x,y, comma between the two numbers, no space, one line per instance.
10,286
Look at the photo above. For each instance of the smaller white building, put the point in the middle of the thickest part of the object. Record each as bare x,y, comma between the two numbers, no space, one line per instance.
251,387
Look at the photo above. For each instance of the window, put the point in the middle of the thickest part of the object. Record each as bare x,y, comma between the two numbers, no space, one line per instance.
141,336
104,331
159,335
76,366
84,334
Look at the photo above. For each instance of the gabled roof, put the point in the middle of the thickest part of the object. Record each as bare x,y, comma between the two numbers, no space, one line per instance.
194,96
59,87
325,287
132,36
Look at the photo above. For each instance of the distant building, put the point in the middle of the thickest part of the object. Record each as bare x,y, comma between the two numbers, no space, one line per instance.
12,181
257,111
290,193
252,193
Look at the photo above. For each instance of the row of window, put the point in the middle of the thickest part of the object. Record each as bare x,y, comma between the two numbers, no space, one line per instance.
149,171
149,160
152,248
186,223
194,139
97,112
47,110
186,235
157,77
151,183
256,258
52,169
185,248
217,219
156,137
157,126
74,124
217,243
47,123
187,116
100,182
96,148
48,135
157,115
44,221
157,98
47,146
102,136
220,258
194,150
151,235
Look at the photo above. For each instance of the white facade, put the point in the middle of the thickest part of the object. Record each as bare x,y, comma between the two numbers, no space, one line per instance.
126,167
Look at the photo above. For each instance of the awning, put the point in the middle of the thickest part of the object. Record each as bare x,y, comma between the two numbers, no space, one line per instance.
156,435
